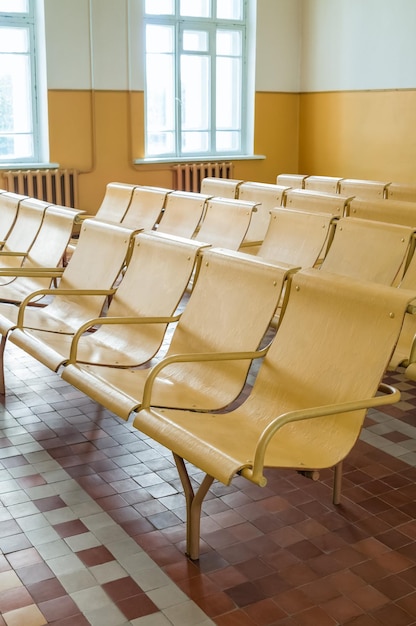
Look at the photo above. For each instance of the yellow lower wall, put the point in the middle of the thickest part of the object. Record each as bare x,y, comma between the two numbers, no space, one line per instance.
349,134
359,134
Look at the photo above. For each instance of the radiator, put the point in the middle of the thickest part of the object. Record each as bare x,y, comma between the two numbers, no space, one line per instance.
188,176
58,186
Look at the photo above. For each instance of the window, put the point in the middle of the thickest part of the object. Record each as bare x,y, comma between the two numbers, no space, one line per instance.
196,78
19,115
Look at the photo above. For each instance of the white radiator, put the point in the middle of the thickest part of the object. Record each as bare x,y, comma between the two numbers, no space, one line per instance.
58,186
188,176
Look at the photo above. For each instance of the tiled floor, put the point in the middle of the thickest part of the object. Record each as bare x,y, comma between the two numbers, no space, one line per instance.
92,525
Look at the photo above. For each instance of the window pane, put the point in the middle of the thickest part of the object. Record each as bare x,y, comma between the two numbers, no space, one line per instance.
228,141
195,142
230,9
159,39
159,7
195,8
195,83
229,42
14,40
15,108
195,40
228,93
14,6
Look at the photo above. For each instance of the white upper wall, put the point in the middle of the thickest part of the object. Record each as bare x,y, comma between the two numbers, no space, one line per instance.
358,44
278,45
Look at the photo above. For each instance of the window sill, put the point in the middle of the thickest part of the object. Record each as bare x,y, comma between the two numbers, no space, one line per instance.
199,159
28,166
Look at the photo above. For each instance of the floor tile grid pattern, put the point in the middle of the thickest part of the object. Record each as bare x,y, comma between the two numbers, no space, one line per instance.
92,524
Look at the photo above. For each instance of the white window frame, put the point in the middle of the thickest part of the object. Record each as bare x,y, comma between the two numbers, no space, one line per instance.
34,21
247,96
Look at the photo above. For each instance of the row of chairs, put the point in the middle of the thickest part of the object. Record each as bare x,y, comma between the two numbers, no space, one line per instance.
335,335
363,188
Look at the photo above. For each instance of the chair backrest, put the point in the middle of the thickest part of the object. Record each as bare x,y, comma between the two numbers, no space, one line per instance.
9,205
369,250
46,251
225,222
321,201
229,309
362,188
116,201
182,213
333,345
401,191
296,181
153,284
26,226
145,207
221,187
297,237
392,211
266,196
95,264
329,184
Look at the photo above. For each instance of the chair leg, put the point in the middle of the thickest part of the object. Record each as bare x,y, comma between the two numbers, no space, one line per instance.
2,348
336,494
193,507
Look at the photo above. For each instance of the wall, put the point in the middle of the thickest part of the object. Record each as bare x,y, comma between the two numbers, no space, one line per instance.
96,100
358,89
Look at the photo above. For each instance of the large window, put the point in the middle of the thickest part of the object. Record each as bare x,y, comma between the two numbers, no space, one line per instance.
19,105
196,78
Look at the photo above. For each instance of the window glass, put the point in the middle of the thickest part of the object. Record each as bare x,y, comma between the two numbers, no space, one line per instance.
14,6
230,9
159,7
195,8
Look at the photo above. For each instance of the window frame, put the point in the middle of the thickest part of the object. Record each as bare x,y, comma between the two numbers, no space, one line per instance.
33,21
179,24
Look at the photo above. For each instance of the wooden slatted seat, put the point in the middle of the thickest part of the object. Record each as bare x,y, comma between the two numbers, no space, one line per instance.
221,187
116,201
152,286
225,222
362,188
145,208
392,211
229,309
296,181
22,235
329,184
297,237
85,284
309,399
267,197
401,191
182,213
9,205
370,250
320,201
46,252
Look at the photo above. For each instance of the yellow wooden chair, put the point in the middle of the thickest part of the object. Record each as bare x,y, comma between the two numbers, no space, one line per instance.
22,235
362,188
321,201
297,237
401,191
229,309
45,253
133,328
267,197
330,184
182,213
221,187
296,181
85,284
309,399
392,211
370,250
405,352
145,208
9,205
225,222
